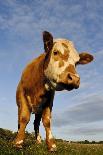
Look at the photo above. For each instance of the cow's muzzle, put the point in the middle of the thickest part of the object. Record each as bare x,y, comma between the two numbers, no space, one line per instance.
73,79
69,81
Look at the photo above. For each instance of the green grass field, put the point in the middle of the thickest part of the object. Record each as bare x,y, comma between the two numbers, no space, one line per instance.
31,148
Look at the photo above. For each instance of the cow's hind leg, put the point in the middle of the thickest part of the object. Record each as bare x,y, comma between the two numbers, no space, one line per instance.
46,118
23,119
36,127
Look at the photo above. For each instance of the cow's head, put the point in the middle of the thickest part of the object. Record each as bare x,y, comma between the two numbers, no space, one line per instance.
60,62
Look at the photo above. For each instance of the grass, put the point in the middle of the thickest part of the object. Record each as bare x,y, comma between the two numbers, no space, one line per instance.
31,148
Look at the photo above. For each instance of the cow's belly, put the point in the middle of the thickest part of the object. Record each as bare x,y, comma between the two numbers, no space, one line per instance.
38,104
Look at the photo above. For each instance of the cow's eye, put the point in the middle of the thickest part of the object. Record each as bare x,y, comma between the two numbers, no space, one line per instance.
55,52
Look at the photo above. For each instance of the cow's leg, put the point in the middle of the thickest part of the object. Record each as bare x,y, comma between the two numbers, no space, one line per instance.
46,118
36,127
23,119
18,118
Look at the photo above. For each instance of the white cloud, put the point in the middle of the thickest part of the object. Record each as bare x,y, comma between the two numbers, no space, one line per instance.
90,131
64,19
89,110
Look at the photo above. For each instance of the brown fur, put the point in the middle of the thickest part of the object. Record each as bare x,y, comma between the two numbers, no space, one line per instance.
30,96
33,90
70,69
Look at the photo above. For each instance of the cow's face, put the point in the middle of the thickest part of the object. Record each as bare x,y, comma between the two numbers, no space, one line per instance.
62,58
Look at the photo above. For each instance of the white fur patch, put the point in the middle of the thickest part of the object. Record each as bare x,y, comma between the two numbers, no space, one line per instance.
50,135
73,53
39,139
47,87
53,146
19,142
48,117
58,46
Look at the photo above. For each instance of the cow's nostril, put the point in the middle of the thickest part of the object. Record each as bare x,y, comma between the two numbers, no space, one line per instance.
69,77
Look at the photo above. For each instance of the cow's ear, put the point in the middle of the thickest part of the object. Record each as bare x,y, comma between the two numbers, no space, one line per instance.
85,58
48,41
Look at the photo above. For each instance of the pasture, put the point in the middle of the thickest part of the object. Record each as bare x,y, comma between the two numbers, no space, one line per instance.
31,148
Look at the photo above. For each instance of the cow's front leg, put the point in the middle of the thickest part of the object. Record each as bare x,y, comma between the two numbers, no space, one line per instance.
36,127
46,118
23,119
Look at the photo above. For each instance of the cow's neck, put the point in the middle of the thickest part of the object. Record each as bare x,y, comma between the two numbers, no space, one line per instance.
49,85
44,85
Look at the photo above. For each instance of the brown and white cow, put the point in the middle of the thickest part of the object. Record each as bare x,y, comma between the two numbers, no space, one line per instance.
54,70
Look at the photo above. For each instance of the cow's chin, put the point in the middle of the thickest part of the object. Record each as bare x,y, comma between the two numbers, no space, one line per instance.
62,86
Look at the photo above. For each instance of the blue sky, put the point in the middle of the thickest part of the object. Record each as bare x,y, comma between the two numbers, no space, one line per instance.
77,115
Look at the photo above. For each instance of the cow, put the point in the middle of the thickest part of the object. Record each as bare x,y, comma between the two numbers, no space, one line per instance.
54,70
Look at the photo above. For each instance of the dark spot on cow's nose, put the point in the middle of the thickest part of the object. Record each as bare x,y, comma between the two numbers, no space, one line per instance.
73,79
69,77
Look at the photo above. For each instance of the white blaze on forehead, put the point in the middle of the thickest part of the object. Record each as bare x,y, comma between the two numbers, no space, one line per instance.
58,44
73,54
58,47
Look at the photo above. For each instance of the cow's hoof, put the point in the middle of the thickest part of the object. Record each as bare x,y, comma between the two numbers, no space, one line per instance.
38,142
53,148
18,144
38,139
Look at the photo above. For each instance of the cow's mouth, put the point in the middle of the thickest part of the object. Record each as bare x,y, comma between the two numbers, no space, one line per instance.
59,86
62,86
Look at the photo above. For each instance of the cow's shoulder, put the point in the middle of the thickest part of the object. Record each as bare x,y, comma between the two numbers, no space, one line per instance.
32,72
34,64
